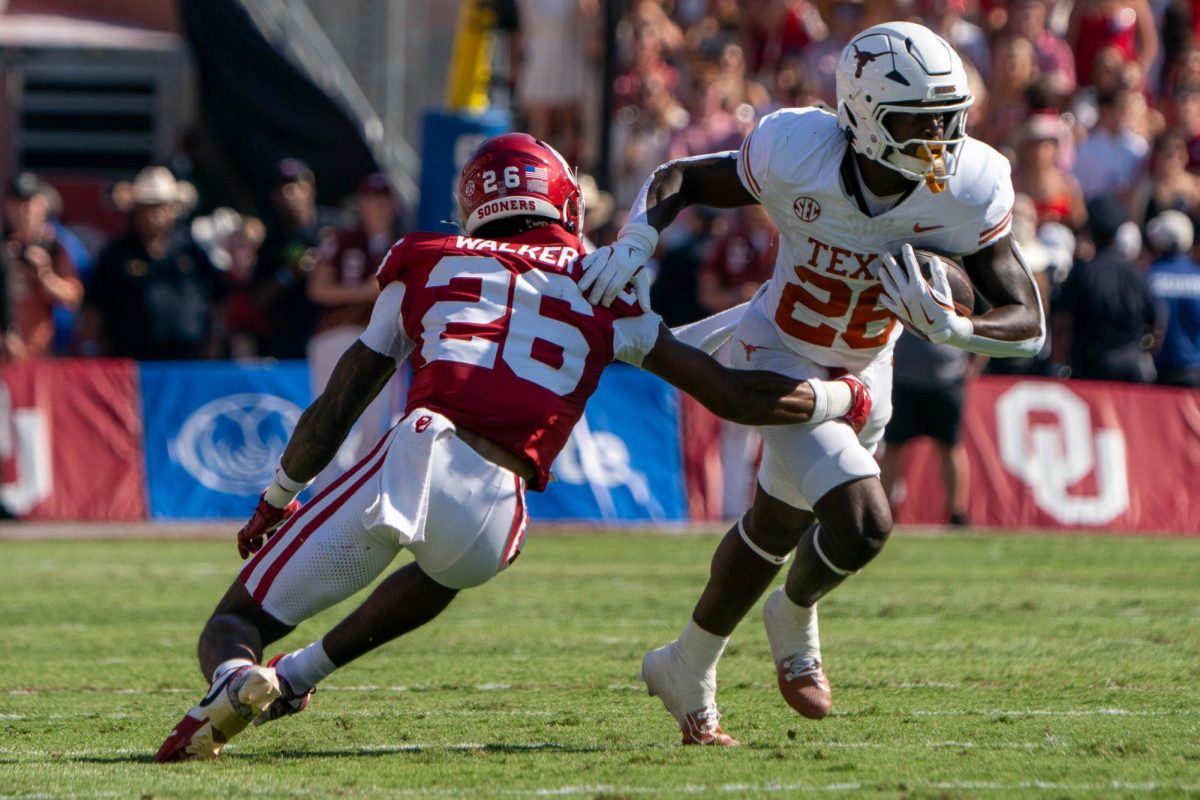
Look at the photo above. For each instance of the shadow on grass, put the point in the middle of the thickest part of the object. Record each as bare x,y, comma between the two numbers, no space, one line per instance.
350,752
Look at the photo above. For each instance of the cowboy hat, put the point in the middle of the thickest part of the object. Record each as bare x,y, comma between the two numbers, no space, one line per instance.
154,186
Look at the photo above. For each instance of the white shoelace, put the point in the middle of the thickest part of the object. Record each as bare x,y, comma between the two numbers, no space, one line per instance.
802,667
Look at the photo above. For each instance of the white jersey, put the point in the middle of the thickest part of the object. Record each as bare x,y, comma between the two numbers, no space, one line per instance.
822,296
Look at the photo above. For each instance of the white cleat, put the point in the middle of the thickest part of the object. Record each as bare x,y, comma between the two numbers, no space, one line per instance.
233,700
796,648
690,699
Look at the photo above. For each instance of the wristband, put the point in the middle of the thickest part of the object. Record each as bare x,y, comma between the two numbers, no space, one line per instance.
640,236
283,489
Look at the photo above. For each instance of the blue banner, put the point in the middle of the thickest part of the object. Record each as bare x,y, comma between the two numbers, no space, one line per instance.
215,432
623,462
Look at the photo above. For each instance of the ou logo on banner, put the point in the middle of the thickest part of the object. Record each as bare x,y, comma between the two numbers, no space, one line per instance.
25,443
1051,458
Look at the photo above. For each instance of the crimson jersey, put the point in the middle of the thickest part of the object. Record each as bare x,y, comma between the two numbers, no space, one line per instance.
500,338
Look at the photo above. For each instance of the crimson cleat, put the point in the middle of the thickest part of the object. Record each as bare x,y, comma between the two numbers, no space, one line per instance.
704,727
690,699
287,703
234,699
803,684
860,401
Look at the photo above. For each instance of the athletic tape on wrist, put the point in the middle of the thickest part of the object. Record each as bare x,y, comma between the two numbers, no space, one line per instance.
289,484
820,412
763,554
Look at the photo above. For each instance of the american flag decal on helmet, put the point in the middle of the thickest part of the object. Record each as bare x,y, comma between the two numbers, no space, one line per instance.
537,179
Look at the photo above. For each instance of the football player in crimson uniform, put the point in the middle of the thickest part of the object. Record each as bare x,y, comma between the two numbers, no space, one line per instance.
848,191
505,352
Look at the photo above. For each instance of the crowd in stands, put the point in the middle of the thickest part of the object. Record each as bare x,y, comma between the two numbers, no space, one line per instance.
1095,102
173,286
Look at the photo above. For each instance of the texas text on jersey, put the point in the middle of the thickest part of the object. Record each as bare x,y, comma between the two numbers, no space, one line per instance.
503,343
825,298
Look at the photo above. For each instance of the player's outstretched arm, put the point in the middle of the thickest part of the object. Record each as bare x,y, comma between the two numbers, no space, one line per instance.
755,397
710,180
359,376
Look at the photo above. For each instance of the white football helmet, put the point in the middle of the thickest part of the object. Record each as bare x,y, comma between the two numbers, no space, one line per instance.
902,67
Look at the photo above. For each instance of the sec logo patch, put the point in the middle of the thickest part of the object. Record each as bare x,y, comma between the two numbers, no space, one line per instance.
807,208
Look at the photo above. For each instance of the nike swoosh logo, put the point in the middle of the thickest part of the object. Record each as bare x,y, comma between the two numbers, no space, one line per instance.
919,228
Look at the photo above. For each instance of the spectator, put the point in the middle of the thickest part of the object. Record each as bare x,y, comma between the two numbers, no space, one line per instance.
675,294
648,63
1056,194
927,400
153,292
1175,282
820,58
1054,59
1109,161
41,275
1127,26
642,132
1014,70
343,286
1168,185
1105,318
234,241
712,125
739,261
553,68
945,18
286,260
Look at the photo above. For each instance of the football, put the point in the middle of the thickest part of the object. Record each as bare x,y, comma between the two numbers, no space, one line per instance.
961,288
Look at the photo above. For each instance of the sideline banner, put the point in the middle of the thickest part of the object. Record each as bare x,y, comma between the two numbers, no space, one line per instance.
71,440
215,432
1073,454
622,462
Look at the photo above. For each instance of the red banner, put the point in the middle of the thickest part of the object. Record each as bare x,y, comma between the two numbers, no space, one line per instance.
1073,454
71,440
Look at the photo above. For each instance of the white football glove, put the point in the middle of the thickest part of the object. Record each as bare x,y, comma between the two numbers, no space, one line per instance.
609,269
925,306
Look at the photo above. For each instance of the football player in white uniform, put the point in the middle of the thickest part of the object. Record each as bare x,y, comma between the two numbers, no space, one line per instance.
850,193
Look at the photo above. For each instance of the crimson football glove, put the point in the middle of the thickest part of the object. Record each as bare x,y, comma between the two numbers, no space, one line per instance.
264,522
860,402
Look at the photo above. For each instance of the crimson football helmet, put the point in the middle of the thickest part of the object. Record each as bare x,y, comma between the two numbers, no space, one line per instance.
514,175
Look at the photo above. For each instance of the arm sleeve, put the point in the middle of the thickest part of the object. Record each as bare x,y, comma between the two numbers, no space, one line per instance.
634,337
385,333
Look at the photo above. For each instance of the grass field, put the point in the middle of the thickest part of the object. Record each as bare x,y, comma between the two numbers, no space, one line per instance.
972,666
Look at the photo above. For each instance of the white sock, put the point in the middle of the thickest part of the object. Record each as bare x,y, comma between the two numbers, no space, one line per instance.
700,649
226,666
305,668
795,627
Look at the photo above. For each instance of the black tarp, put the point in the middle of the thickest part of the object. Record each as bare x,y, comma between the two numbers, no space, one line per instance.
256,108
